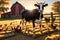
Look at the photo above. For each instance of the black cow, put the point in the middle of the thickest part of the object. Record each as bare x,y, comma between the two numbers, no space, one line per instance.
27,15
35,14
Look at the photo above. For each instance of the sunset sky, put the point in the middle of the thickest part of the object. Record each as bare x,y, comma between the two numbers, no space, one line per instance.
29,4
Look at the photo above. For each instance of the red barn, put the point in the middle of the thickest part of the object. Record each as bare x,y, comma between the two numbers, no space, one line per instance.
16,10
6,15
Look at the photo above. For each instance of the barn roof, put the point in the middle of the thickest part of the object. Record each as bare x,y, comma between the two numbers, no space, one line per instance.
17,3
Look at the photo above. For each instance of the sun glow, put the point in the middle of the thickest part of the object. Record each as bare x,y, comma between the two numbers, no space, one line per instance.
47,9
30,7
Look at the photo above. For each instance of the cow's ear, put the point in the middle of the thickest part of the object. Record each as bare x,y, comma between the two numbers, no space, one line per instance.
36,5
45,5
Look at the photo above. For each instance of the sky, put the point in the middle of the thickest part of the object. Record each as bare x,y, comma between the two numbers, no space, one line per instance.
28,4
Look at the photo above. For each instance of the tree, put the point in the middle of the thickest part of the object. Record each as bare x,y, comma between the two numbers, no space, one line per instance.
56,7
3,5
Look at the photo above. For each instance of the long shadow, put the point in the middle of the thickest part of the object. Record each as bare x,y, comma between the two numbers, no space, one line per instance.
42,36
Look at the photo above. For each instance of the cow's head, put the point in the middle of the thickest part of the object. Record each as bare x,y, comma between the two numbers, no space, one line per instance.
41,5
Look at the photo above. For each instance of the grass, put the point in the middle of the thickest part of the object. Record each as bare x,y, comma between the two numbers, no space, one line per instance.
3,19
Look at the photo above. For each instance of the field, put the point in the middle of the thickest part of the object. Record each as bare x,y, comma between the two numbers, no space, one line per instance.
20,36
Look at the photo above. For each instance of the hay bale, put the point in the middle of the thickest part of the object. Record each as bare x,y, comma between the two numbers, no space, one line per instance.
53,37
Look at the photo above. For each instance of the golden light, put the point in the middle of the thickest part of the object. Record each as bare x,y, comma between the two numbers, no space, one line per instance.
47,9
30,8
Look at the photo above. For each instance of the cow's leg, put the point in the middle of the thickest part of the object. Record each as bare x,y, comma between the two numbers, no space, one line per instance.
26,26
33,22
41,13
